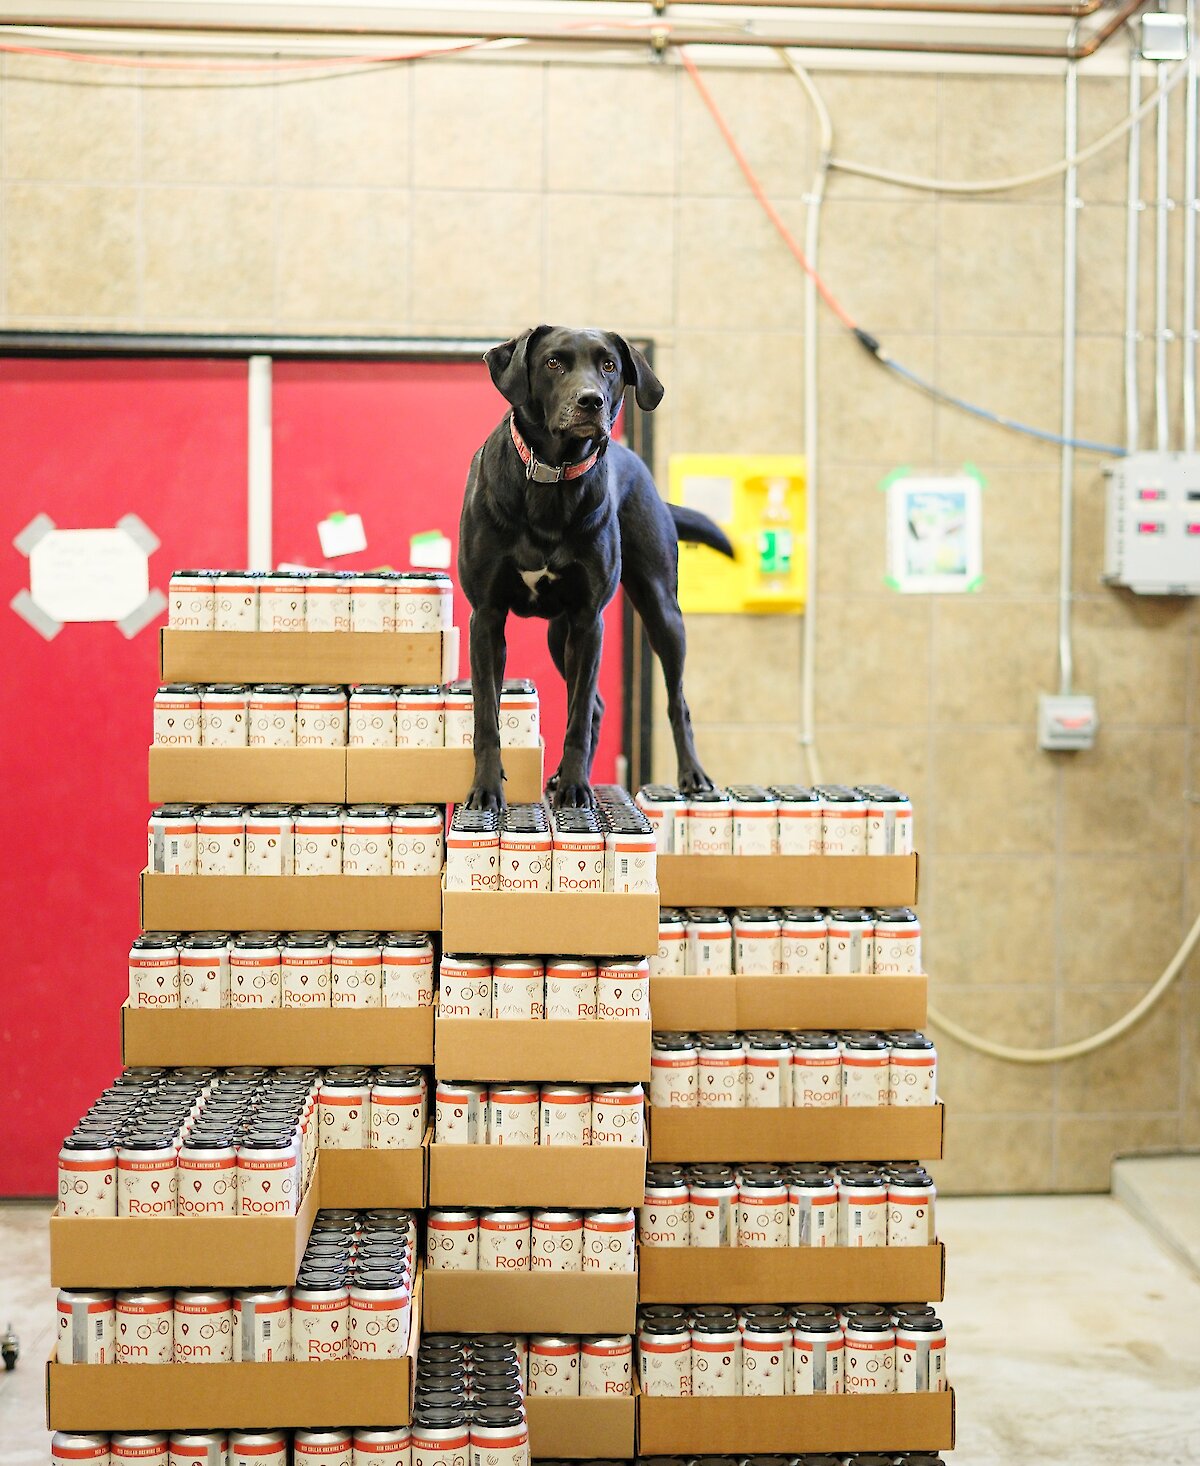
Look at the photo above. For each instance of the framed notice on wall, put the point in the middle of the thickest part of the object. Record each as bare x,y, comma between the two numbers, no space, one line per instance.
935,532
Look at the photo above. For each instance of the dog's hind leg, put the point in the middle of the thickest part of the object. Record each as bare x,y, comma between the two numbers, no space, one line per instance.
556,640
659,609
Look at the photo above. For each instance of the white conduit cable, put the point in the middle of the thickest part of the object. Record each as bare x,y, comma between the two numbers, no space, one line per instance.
1163,204
1168,81
1191,220
1133,211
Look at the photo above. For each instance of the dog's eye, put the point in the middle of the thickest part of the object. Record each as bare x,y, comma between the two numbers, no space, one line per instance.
552,363
608,365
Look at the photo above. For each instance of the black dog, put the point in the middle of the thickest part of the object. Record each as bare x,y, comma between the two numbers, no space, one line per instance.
553,517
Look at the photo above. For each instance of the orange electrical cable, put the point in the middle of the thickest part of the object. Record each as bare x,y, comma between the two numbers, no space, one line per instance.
277,63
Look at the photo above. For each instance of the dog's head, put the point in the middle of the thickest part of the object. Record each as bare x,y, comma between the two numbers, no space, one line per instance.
570,381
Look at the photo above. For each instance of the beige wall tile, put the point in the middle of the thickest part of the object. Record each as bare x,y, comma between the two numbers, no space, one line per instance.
867,413
1020,531
993,792
1087,1145
768,114
992,658
1015,375
993,918
743,669
1190,1036
209,253
737,393
479,126
1087,540
1103,102
735,273
1123,796
1010,125
870,755
974,1084
70,251
880,260
610,129
1132,653
999,267
1101,299
741,755
53,127
609,260
873,662
1099,395
852,529
343,256
990,1155
1120,918
211,132
897,130
467,264
1138,1071
346,134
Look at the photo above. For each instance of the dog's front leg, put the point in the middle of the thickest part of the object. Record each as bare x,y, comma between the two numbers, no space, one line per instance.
585,642
487,673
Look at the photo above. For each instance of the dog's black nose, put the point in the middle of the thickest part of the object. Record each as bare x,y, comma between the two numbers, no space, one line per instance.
592,400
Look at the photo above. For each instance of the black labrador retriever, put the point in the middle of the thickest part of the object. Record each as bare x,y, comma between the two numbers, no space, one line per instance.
555,514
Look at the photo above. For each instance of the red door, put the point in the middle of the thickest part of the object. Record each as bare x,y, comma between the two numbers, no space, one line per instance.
86,442
392,441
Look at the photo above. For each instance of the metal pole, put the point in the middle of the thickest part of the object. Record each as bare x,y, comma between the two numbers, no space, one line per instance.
1066,667
1162,331
1133,216
1191,123
258,479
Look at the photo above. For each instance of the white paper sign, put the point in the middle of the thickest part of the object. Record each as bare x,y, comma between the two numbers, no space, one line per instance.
88,574
341,534
935,533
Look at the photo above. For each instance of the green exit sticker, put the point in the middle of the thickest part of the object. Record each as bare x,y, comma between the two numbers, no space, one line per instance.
775,552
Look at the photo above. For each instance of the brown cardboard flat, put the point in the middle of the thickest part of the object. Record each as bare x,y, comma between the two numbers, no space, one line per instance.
578,1051
582,1429
530,1303
813,1423
600,924
248,775
185,1252
849,1133
308,656
233,1396
537,1175
787,880
277,1036
436,775
287,903
741,1003
767,1274
362,1178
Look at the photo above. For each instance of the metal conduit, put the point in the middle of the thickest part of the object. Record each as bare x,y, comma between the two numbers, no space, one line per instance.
1066,483
1133,214
1190,222
1162,213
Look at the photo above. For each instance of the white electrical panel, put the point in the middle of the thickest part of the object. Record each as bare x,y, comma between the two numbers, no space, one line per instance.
1152,529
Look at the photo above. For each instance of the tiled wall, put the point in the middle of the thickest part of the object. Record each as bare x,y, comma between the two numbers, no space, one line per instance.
481,196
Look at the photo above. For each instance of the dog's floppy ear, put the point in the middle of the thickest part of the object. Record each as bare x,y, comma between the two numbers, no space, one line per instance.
509,367
638,374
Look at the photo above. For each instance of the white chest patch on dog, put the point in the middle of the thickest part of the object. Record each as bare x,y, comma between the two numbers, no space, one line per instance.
533,578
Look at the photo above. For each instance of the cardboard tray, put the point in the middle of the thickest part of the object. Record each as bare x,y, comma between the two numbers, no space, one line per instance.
841,1134
186,1252
787,880
530,1303
396,657
582,1051
248,775
537,1175
766,1274
436,775
812,1423
233,1396
584,1429
290,903
363,1178
741,1003
590,924
277,1036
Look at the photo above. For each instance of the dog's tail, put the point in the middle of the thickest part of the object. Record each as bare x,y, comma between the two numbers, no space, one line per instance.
698,529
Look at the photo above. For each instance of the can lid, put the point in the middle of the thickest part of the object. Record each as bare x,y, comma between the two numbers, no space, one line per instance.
757,913
909,1038
838,794
919,1323
256,939
307,939
322,689
803,913
205,941
882,794
896,914
795,794
175,811
750,794
660,794
672,1041
711,1173
495,1417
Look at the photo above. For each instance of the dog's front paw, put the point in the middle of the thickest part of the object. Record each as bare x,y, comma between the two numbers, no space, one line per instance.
486,796
693,780
552,783
568,794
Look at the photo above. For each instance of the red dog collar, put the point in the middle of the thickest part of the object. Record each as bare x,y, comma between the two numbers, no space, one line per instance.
544,473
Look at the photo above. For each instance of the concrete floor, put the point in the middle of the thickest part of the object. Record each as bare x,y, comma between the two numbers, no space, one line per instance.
1074,1334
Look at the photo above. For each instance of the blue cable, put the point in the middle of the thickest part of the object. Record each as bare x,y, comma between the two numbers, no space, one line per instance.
985,413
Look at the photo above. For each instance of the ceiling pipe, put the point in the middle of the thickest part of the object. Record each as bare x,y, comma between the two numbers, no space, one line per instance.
662,36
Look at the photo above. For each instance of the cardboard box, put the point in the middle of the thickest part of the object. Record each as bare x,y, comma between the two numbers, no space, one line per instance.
599,924
537,1175
588,1428
290,903
184,1252
580,1051
248,775
277,1036
233,1396
741,1003
904,1133
530,1303
787,880
308,656
766,1274
436,775
362,1178
817,1423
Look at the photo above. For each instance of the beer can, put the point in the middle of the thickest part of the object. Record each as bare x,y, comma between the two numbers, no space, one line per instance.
384,1445
812,1207
889,821
896,941
818,1355
282,601
816,1069
320,1317
499,1436
67,1447
664,1357
268,1175
399,1109
663,806
504,1240
843,820
800,819
203,1326
172,840
911,1200
912,1069
865,1070
318,841
709,943
327,1446
424,600
570,988
556,1241
610,1241
322,716
87,1175
665,1216
473,851
145,1326
512,1114
204,970
460,1116
207,1180
221,840
371,716
87,1327
199,1448
262,1325
606,1366
224,715
618,1115
254,971
235,600
862,1207
623,989
452,1239
464,986
177,715
920,1354
671,959
851,940
441,1437
870,1356
804,942
356,970
459,715
271,716
191,600
518,988
327,601
565,1115
418,840
407,970
344,1108
768,1077
154,979
526,859
372,601
367,840
708,823
762,1207
757,941
305,969
519,714
713,1192
420,717
766,1355
554,1364
716,1354
578,859
755,820
150,1448
631,858
270,840
721,1071
258,1448
380,1314
674,1071
147,1176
